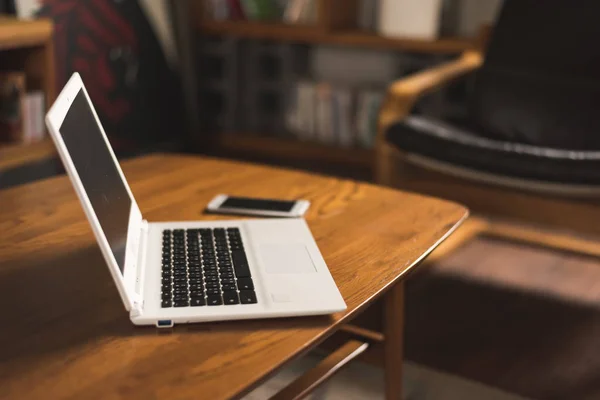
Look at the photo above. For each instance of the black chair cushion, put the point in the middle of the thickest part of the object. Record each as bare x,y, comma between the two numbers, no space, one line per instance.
469,147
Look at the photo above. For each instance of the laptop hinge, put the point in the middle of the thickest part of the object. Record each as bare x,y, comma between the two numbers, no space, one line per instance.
138,300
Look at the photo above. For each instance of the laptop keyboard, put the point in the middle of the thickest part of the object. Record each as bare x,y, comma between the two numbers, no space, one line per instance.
205,267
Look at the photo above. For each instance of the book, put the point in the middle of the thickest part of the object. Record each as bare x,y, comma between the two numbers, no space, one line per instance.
367,15
324,114
250,9
266,9
12,96
235,10
414,19
305,120
33,117
373,104
345,131
309,11
362,119
218,10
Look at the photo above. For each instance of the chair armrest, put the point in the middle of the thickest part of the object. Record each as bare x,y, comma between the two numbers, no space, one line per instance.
403,93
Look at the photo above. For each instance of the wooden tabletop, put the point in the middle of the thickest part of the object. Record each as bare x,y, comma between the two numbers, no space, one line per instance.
65,333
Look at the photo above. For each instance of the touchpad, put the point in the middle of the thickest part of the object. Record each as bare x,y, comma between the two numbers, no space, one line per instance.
286,259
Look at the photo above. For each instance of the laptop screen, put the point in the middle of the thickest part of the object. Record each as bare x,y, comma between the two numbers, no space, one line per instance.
98,174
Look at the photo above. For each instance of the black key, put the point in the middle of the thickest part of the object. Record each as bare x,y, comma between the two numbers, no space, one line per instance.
211,274
197,291
227,270
247,296
179,279
181,303
195,276
198,301
213,292
211,279
196,281
214,300
227,275
166,303
219,231
227,281
166,281
227,287
166,274
231,298
240,263
245,284
165,295
166,288
211,285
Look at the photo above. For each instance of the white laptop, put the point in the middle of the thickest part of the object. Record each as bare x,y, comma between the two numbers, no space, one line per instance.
180,272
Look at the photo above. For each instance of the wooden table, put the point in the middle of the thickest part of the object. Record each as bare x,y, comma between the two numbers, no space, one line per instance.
65,333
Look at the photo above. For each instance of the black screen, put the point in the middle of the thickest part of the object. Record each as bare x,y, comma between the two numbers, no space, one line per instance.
258,204
98,174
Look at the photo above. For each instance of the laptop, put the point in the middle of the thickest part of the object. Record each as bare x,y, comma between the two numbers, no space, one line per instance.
192,271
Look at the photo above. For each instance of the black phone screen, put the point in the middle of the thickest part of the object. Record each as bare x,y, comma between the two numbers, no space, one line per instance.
245,203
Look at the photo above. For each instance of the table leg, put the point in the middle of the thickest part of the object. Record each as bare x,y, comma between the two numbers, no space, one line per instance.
393,330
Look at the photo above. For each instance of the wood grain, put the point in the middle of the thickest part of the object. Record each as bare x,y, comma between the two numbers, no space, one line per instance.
14,155
66,334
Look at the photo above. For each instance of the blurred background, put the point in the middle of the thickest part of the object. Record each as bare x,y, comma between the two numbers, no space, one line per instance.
491,103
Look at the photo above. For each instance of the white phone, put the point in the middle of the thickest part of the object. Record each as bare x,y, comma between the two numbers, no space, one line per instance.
254,206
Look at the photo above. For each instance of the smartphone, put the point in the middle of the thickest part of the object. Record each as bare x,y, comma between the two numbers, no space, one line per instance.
255,206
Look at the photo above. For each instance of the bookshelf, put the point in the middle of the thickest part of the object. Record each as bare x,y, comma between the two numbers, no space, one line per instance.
335,24
26,45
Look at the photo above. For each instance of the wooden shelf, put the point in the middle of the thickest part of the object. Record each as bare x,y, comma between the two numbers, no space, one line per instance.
15,33
315,35
27,46
291,149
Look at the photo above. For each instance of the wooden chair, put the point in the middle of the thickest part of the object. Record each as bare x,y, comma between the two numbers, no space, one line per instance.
527,160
